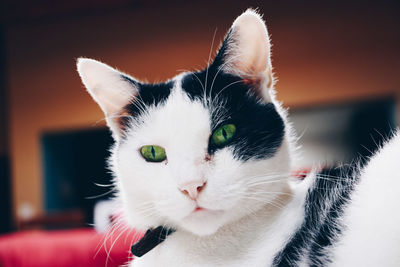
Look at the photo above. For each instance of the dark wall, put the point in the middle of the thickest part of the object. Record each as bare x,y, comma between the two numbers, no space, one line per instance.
5,186
5,196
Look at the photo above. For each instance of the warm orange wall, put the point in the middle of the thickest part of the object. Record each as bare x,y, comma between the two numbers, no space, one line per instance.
318,59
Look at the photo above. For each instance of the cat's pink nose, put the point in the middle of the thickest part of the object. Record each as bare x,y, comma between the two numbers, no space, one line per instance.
193,188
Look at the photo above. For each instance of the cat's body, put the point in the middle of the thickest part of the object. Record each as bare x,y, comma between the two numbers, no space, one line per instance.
357,225
210,153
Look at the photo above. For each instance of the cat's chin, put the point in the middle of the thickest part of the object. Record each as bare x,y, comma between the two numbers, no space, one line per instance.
201,229
203,223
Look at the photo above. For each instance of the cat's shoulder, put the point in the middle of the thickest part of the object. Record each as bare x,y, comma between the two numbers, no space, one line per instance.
351,215
371,233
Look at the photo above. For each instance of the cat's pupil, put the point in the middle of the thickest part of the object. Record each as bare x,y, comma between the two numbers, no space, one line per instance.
153,152
224,133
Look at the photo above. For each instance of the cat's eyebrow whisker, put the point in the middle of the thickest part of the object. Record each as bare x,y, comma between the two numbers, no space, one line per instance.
217,95
111,117
208,63
232,83
139,104
197,77
220,68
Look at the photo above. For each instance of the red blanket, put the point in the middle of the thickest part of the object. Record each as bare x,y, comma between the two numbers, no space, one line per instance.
77,248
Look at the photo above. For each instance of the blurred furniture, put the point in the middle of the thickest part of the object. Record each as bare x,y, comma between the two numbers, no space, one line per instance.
75,172
334,134
58,220
79,248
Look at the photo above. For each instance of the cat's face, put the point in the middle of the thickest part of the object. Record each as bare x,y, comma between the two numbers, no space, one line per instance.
203,149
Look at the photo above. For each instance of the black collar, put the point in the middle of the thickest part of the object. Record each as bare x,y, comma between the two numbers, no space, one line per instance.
150,240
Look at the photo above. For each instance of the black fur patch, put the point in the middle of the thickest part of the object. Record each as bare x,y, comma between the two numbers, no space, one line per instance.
148,95
324,204
231,99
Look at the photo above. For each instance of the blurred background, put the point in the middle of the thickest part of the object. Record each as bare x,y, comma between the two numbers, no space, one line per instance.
338,65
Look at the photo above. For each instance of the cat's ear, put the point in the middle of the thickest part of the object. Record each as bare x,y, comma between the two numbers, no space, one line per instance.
111,89
246,51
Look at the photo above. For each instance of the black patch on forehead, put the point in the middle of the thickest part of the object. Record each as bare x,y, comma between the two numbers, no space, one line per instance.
259,127
148,95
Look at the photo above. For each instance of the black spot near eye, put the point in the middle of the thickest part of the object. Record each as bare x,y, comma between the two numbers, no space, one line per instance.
153,152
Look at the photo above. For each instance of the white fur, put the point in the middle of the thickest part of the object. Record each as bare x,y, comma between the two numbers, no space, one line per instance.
372,219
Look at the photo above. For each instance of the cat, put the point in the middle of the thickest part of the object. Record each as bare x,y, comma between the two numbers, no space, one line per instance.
207,158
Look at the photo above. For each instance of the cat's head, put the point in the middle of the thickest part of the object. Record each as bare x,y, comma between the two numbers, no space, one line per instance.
204,148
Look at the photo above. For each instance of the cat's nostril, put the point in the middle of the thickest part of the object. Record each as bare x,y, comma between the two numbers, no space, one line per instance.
192,189
201,187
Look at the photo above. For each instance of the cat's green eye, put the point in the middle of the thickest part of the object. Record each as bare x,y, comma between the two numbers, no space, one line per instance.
153,153
223,135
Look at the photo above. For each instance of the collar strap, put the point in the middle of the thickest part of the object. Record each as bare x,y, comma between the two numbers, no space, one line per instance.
150,240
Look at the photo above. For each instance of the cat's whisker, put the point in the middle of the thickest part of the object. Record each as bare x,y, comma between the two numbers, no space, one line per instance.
110,117
227,86
140,105
258,182
124,229
220,68
197,78
106,237
146,213
261,193
298,138
104,185
253,179
267,175
208,64
266,202
113,190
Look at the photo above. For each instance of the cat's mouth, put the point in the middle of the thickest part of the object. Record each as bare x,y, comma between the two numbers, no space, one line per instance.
199,210
202,221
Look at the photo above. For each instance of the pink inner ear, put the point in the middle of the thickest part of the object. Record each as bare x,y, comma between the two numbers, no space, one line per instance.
251,55
253,81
